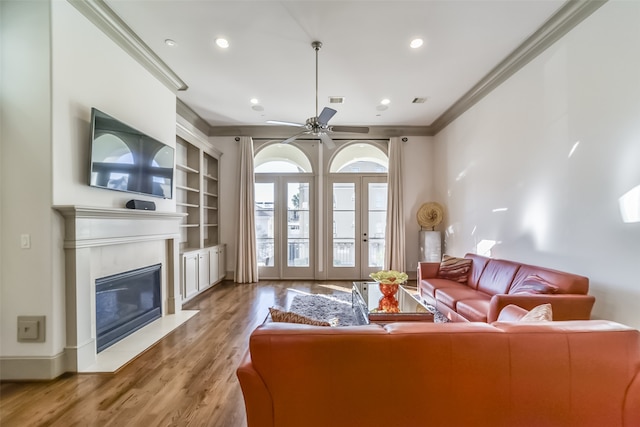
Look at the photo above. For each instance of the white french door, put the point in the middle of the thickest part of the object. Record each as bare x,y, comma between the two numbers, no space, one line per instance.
356,223
284,226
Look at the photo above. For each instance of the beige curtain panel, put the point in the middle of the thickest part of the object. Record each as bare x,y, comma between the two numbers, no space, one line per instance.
246,270
394,250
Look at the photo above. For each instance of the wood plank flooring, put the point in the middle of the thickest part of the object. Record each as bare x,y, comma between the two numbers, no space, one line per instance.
186,379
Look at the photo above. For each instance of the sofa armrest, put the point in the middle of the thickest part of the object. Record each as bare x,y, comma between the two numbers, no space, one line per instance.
564,306
257,399
428,270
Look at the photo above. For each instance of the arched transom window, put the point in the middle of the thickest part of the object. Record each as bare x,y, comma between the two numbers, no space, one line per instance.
278,158
361,157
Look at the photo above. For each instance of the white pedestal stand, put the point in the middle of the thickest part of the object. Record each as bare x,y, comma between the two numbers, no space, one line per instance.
430,246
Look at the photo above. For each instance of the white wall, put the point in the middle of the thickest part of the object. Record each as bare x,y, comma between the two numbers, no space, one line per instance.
418,178
228,196
56,65
26,274
89,70
512,150
418,189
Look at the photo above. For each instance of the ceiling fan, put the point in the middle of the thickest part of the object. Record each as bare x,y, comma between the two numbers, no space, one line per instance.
318,125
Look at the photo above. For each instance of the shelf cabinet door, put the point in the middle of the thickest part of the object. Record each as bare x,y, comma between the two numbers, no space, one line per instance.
213,264
189,274
203,270
222,262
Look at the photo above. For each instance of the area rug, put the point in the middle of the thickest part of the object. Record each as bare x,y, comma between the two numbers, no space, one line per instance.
336,309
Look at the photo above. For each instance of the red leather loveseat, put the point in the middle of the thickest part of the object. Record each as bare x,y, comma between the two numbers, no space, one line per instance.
492,284
561,374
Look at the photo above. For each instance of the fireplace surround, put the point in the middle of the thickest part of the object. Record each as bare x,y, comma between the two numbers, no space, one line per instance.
100,242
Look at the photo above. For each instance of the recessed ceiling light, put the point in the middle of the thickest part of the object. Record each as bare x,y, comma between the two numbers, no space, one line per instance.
385,101
170,43
223,43
416,43
254,101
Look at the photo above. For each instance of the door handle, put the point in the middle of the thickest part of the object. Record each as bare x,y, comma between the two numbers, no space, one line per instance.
364,240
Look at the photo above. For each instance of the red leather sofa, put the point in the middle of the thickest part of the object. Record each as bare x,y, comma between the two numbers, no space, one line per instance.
487,290
563,374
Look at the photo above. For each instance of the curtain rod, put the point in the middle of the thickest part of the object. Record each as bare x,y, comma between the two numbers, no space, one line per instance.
318,139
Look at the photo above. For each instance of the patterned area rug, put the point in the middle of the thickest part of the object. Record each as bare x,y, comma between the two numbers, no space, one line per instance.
336,309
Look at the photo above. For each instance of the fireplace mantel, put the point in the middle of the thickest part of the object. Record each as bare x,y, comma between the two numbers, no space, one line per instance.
87,226
100,241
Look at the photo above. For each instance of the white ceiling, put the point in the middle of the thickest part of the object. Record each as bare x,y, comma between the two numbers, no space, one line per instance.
365,55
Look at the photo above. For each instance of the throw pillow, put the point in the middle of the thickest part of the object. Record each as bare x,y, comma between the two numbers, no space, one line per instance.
541,313
533,284
511,313
278,315
456,269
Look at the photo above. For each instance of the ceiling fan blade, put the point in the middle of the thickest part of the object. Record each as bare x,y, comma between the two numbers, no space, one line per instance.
293,138
326,115
351,129
326,139
278,122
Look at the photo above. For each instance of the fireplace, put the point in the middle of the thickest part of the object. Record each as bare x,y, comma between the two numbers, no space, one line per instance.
103,243
126,302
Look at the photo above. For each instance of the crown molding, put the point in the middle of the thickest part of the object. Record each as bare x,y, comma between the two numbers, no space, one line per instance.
269,131
567,17
192,117
106,20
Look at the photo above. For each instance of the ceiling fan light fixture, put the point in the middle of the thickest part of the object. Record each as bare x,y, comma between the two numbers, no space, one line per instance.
254,101
385,101
318,125
222,42
416,43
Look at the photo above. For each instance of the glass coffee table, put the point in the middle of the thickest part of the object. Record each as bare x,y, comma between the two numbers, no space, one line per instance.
366,296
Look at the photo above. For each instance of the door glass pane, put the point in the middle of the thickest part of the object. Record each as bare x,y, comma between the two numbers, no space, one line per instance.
344,233
298,231
264,201
377,218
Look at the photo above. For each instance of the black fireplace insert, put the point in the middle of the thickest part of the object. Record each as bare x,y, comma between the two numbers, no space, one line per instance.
126,302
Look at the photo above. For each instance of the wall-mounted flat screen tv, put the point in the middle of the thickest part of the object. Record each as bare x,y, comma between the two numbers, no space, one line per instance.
125,159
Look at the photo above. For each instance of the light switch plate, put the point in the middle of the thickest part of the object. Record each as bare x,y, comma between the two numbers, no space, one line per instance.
31,328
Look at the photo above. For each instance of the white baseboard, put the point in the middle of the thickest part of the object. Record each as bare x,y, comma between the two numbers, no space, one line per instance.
32,368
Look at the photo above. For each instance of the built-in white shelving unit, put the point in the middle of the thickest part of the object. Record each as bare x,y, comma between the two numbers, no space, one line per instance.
203,258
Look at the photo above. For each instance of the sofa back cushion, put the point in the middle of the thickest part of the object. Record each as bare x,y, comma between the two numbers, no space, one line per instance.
497,276
566,283
478,263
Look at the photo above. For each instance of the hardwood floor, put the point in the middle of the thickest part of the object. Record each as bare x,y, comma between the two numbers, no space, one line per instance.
186,379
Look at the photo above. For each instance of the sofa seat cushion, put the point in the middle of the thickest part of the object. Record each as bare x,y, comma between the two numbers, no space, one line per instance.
451,296
474,310
429,286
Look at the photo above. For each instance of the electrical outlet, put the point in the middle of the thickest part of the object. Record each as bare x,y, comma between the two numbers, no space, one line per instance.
31,328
